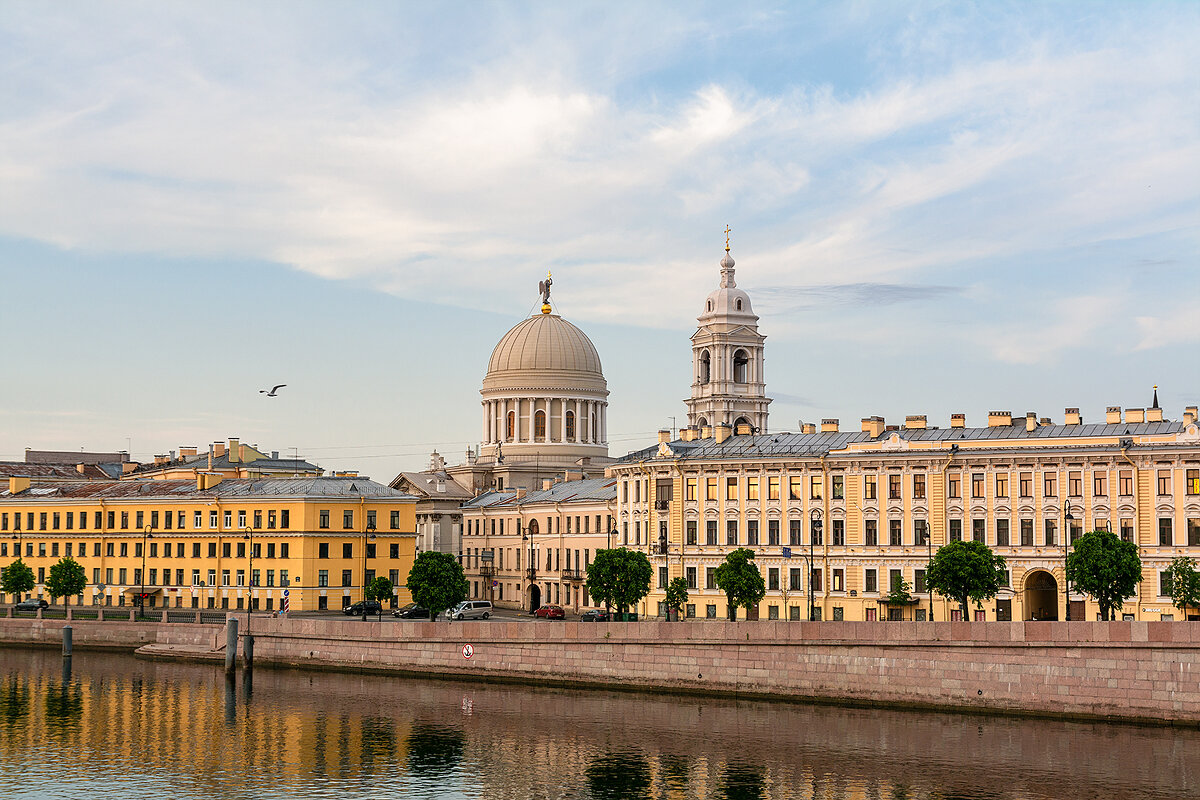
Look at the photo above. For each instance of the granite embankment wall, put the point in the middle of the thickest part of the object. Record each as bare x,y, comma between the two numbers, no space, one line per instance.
111,634
1144,671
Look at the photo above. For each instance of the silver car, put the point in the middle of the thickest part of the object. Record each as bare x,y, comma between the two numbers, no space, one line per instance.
472,609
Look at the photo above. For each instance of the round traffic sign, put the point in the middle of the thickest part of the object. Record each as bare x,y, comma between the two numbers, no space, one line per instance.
468,651
285,592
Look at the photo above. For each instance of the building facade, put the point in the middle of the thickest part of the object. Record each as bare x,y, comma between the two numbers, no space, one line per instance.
189,543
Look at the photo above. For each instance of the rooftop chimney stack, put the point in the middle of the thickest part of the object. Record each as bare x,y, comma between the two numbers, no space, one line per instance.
1031,422
1071,417
664,436
872,426
997,419
1113,415
1154,414
1135,415
915,422
808,427
1190,414
829,425
235,450
723,432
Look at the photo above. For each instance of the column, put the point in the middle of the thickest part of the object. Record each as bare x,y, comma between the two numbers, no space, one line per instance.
563,419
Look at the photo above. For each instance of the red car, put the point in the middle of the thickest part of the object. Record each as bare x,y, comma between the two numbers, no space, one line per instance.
551,612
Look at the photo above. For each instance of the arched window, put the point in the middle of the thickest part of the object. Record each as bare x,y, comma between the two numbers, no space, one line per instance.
740,422
705,367
702,423
570,426
710,305
592,425
511,429
739,305
741,367
539,426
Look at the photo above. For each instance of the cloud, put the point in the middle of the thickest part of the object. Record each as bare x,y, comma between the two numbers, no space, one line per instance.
1177,325
871,295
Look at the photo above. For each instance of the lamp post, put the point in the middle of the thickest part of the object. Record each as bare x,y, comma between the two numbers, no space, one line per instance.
929,542
812,536
368,534
1067,518
17,538
248,534
146,534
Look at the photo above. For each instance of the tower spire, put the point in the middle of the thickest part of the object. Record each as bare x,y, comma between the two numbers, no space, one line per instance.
727,281
1155,397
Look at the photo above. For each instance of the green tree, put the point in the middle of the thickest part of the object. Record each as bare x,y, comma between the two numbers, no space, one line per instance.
1106,568
619,577
67,579
901,594
677,594
17,578
379,589
1184,583
965,571
437,582
738,577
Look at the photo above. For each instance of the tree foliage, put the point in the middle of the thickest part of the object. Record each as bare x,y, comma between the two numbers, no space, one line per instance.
437,582
618,577
1184,582
966,571
677,593
738,577
380,588
1106,568
66,580
17,578
901,593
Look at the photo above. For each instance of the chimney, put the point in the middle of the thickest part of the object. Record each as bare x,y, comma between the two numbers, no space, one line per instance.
997,419
706,432
873,426
207,480
914,422
958,420
1154,415
664,435
171,453
688,434
274,455
1190,415
128,467
1113,415
187,452
1135,415
81,468
1071,417
18,484
218,449
546,484
521,492
743,430
1031,421
829,426
161,460
235,451
808,427
723,432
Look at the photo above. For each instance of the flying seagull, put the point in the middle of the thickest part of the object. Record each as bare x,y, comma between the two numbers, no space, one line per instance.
273,390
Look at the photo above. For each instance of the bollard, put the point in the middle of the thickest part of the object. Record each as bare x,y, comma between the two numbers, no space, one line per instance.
231,641
248,651
67,641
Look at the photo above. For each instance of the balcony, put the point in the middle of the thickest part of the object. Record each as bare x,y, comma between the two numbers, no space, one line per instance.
662,505
531,573
575,575
487,571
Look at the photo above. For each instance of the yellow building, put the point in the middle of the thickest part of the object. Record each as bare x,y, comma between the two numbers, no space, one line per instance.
189,543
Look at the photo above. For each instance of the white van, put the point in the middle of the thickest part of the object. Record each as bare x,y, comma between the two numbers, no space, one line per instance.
472,609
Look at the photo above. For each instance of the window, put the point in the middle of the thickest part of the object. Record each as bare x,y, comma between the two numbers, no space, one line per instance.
1002,485
1100,484
815,533
124,520
751,533
1164,482
870,533
839,487
322,549
920,532
953,486
195,550
1050,484
741,365
662,577
979,530
1125,479
870,487
895,578
1193,532
690,574
689,489
229,519
795,533
347,577
731,531
347,520
839,580
815,486
795,488
1050,533
691,532
895,533
1002,533
773,579
751,488
795,579
977,484
710,578
731,488
1164,584
570,426
1165,534
510,429
1192,483
817,583
773,487
918,483
347,550
539,426
894,486
956,530
1075,484
773,533
710,532
919,581
871,580
1026,533
710,488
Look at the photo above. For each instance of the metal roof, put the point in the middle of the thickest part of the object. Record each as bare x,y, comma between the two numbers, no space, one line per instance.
304,487
427,482
586,490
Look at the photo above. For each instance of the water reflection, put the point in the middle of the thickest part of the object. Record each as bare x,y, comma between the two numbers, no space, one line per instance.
113,726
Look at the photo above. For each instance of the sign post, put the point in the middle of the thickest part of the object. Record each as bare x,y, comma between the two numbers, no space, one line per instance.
283,604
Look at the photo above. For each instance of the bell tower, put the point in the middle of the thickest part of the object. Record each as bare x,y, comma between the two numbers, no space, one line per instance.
728,386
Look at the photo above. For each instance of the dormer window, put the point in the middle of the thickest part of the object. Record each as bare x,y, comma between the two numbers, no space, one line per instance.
710,305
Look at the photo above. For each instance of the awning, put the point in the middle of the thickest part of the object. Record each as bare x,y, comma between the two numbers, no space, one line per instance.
149,590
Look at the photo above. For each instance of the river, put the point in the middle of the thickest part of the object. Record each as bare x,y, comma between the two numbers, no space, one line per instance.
113,726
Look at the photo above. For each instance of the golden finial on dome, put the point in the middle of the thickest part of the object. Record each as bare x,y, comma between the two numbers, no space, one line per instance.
727,230
544,288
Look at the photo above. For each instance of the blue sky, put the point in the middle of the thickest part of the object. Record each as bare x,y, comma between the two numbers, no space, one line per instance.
936,207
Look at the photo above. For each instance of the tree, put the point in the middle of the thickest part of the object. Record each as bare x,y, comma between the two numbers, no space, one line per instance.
67,579
379,589
901,594
677,594
740,580
437,582
1184,583
17,578
965,571
618,577
1106,568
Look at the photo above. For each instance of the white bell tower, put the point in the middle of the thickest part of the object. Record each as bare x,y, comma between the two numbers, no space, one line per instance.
728,386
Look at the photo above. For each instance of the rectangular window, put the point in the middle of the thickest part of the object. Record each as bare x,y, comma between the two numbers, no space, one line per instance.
691,577
689,489
920,532
1050,537
839,487
977,484
773,487
228,519
1125,477
838,531
895,533
918,482
662,577
1193,532
710,532
1075,484
816,534
710,578
839,580
1164,584
751,488
323,519
773,579
1026,533
1026,484
870,487
870,581
752,533
1049,484
731,532
955,530
870,533
1191,484
979,530
953,486
731,488
347,550
1100,484
895,578
815,486
894,486
322,577
795,487
124,520
347,577
348,520
1002,485
795,579
1166,536
1164,481
710,488
691,532
817,582
1002,533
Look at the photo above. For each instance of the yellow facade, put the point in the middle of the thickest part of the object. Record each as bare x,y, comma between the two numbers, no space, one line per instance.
877,492
319,538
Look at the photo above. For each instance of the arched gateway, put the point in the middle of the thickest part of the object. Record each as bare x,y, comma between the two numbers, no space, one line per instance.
1041,596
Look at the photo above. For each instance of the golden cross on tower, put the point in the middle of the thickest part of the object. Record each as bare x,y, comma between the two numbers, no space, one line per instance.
727,230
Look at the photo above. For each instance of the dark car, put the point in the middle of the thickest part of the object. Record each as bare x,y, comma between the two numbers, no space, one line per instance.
411,611
594,615
356,610
32,604
550,612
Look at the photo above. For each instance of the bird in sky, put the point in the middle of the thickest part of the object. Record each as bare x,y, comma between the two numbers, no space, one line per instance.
273,390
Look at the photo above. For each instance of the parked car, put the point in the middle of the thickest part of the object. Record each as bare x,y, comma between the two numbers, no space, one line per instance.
550,612
356,610
411,611
594,615
32,604
471,609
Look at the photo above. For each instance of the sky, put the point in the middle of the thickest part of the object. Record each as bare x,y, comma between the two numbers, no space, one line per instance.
935,207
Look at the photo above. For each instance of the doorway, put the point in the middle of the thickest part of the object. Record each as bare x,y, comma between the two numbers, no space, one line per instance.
1041,596
535,598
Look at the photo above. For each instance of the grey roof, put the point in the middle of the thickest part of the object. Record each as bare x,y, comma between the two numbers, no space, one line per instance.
491,498
428,482
818,444
305,487
200,462
586,490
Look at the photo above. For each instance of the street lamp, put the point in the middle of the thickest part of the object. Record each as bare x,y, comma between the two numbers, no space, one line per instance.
146,534
1067,518
368,534
812,536
929,542
248,534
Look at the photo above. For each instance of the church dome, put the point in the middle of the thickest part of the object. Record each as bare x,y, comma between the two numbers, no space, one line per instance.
728,301
544,347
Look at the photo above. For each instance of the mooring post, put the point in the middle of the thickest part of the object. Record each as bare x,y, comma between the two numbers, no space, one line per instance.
231,641
248,650
67,641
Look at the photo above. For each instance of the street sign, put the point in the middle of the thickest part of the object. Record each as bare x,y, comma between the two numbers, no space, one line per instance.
285,592
787,552
468,651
